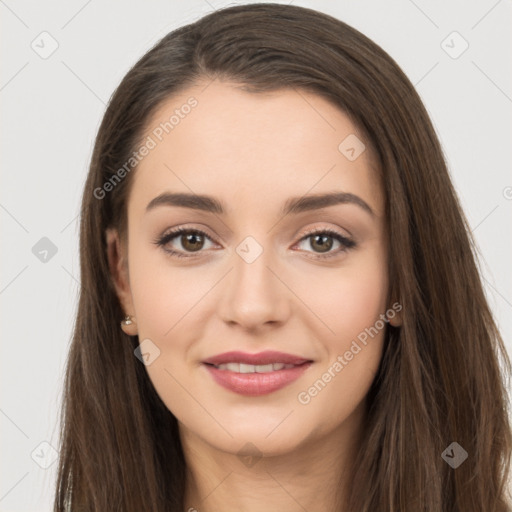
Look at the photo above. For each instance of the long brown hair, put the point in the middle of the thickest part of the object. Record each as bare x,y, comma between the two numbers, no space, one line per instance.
442,376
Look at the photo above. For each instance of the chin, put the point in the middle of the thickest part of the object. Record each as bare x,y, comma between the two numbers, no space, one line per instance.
270,435
256,444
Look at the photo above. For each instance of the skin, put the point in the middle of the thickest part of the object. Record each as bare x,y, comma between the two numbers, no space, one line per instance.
252,152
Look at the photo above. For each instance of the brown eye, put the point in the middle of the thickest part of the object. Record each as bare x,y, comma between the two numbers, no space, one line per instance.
192,241
321,243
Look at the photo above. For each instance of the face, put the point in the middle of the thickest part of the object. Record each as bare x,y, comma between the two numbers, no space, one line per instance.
253,274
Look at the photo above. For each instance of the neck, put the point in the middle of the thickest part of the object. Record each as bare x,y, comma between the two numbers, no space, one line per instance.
315,476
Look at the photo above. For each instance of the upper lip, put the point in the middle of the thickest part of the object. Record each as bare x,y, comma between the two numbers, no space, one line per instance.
267,357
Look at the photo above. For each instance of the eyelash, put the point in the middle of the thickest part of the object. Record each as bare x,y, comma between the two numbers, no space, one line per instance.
165,239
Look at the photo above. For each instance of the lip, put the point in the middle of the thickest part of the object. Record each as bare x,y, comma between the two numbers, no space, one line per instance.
256,384
266,357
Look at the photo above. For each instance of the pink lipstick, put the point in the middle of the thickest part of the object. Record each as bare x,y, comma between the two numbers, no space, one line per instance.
256,374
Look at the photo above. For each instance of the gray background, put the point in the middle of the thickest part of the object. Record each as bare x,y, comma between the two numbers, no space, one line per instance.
52,108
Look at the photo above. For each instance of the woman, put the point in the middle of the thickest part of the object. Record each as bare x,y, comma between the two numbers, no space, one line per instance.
269,215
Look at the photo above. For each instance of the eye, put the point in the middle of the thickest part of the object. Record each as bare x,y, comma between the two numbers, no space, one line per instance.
191,240
322,240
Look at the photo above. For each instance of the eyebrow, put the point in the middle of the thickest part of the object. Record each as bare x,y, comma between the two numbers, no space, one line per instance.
293,205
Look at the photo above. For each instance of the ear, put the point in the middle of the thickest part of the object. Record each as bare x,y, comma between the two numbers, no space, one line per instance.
117,254
394,314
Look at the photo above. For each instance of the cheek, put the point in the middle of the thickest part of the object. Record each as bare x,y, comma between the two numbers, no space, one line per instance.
351,307
167,302
347,300
359,303
340,385
164,296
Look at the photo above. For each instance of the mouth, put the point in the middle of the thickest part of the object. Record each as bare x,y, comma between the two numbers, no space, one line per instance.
255,374
253,368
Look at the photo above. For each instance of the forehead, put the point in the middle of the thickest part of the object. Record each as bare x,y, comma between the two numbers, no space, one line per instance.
217,139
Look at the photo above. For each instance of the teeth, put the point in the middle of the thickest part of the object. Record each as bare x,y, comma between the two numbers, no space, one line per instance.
253,368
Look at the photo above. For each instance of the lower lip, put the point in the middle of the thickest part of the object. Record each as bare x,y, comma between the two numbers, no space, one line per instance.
256,384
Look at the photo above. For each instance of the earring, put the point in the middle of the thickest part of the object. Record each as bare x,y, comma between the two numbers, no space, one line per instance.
127,320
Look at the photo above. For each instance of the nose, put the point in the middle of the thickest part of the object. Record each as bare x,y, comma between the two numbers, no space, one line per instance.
254,294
